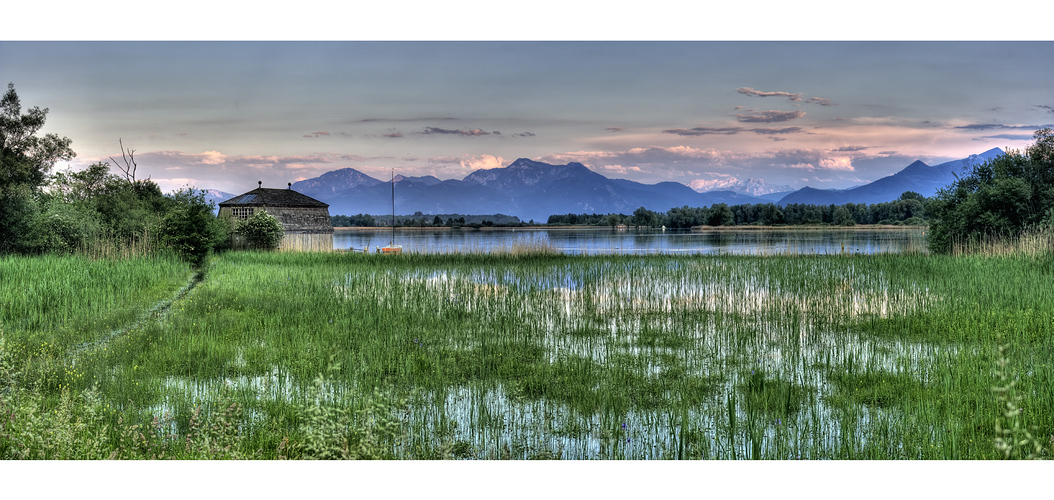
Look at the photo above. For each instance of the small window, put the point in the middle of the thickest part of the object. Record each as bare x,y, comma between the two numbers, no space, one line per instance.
241,212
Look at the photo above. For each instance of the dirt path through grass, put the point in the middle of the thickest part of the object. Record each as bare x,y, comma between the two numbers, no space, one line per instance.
155,313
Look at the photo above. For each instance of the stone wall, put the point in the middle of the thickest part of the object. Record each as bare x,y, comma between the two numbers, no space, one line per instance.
306,229
302,220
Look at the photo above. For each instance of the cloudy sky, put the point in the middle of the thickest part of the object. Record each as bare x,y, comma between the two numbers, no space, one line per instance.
226,114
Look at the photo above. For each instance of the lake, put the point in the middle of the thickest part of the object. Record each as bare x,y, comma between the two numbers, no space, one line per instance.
595,241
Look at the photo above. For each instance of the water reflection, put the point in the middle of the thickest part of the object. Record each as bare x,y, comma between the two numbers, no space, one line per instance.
826,241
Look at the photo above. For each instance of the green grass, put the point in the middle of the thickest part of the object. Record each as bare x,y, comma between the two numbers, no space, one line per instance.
535,356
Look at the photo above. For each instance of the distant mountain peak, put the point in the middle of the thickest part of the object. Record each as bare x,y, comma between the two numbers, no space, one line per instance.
333,182
751,187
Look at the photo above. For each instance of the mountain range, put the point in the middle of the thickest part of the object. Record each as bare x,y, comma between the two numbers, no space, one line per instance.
534,190
527,189
918,177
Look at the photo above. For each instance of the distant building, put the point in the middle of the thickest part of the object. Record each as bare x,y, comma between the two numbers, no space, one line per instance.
305,219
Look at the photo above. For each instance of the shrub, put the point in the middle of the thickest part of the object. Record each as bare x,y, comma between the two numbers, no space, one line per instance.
261,231
63,228
188,227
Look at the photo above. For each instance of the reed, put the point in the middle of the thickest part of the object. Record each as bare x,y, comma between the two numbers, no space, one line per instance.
536,355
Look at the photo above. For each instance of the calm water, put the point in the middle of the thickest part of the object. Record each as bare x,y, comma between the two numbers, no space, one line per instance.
643,241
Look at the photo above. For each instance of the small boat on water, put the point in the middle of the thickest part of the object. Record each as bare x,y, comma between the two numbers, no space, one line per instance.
392,248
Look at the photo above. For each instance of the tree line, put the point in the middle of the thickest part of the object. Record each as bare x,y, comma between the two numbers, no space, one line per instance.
909,209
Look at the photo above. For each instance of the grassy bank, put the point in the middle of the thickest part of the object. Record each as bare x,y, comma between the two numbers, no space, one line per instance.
550,356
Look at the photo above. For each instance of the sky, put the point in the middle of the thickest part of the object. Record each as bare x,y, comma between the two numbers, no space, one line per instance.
224,114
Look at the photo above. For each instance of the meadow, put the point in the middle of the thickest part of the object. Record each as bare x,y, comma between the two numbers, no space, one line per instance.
529,356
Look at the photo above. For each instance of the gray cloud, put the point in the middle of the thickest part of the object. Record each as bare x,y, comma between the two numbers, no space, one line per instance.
704,131
317,134
770,131
523,134
614,129
444,160
770,116
751,92
1011,137
730,131
850,149
430,119
820,101
394,135
469,133
1000,126
363,158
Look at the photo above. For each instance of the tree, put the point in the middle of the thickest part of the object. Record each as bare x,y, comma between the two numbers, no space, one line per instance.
261,231
1001,197
843,217
642,217
25,161
189,228
74,187
720,214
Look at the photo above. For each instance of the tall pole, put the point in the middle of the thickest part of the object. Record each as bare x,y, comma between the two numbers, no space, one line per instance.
393,206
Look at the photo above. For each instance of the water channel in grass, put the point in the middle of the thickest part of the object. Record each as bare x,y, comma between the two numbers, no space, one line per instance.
600,241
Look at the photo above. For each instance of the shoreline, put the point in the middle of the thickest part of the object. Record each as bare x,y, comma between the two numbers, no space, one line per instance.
859,227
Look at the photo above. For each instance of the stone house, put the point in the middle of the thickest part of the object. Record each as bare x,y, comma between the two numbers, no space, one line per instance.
305,220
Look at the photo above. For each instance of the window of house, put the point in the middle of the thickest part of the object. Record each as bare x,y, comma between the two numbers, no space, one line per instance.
241,212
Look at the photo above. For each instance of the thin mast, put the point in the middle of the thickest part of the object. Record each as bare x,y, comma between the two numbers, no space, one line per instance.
393,206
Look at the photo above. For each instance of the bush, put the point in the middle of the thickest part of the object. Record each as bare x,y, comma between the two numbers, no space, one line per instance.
18,209
188,227
261,231
64,229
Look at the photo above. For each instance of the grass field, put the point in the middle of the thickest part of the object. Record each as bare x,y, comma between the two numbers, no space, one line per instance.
530,356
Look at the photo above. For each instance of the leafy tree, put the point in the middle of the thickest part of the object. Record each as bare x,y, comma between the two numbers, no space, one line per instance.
842,217
26,157
25,161
720,215
1001,197
642,217
189,228
261,231
74,187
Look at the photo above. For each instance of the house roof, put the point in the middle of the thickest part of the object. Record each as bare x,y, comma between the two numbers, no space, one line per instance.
267,197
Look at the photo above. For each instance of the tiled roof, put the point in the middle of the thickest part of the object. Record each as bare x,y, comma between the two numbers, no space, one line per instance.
267,197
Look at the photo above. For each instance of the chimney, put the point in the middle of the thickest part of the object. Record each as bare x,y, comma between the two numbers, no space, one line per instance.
260,184
290,186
